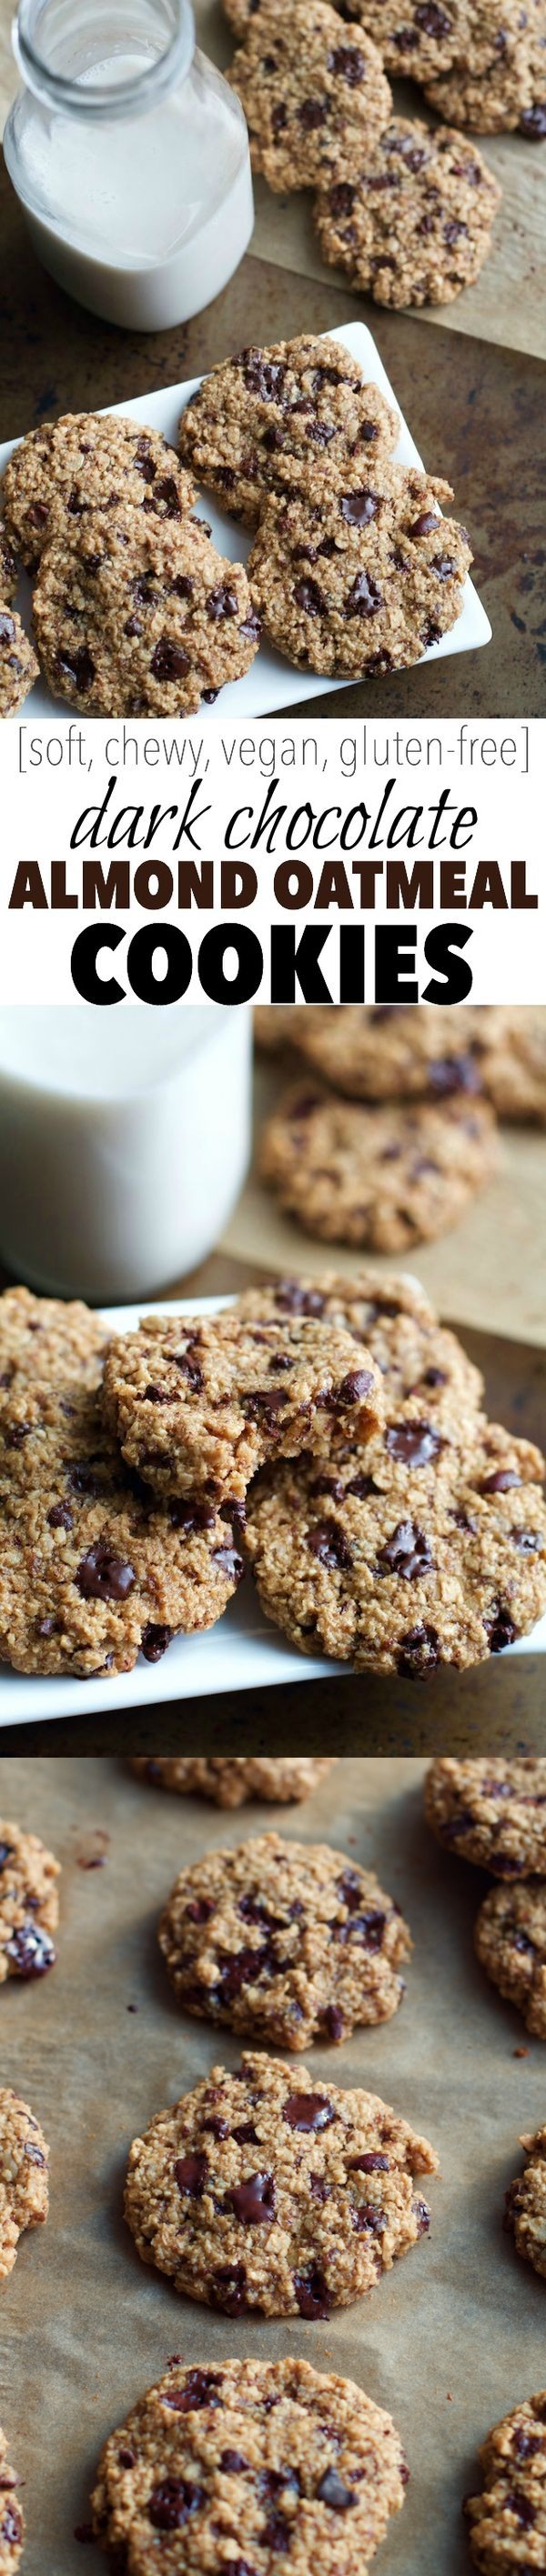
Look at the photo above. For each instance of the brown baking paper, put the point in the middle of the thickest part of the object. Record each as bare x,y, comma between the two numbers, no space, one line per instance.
452,2337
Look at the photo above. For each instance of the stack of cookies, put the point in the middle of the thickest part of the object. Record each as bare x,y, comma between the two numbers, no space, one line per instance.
353,570
134,611
325,1433
406,210
398,1127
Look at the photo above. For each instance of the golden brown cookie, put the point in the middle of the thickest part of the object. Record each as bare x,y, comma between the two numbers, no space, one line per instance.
24,2194
257,2193
412,221
286,1941
311,106
280,1780
278,2458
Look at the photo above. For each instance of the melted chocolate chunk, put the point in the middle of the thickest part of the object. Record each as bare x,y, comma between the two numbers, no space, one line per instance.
154,1641
253,2202
31,1950
308,2111
171,2503
407,1552
103,1576
414,1442
191,2174
199,2390
312,2293
228,2288
329,1544
333,2493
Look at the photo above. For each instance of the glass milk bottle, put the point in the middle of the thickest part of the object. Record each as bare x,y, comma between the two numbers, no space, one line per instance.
130,156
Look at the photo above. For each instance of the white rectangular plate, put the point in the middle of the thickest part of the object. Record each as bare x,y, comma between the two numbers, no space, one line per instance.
271,682
241,1653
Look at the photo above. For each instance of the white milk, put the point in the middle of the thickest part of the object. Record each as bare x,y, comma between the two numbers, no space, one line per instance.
141,216
124,1142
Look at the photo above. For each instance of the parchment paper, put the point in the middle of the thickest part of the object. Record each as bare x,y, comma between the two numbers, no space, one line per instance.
451,2338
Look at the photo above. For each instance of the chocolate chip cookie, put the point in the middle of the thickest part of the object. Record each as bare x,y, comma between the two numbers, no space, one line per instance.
8,568
140,616
18,664
312,106
412,223
416,1355
44,1341
86,463
492,1812
281,1780
525,2204
377,1053
508,2521
499,87
29,1904
92,1571
510,1939
24,2196
286,1941
198,1403
262,418
270,2457
251,2195
12,2520
429,1550
358,572
383,1176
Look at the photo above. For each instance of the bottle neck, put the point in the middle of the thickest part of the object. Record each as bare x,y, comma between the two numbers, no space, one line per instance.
103,58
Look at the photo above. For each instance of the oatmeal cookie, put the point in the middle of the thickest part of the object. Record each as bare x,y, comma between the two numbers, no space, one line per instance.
251,2195
18,664
8,568
417,1356
263,417
24,2196
288,1941
384,1176
358,572
508,2521
500,87
276,1029
12,2520
229,1783
198,1403
91,1569
429,1550
525,2203
265,2456
29,1905
313,106
510,1939
85,463
488,1811
141,616
379,1052
412,223
44,1342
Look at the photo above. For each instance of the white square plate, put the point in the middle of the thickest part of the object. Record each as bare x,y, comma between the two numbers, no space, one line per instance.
271,682
241,1653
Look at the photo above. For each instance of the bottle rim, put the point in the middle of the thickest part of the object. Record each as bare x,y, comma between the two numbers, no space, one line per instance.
126,97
